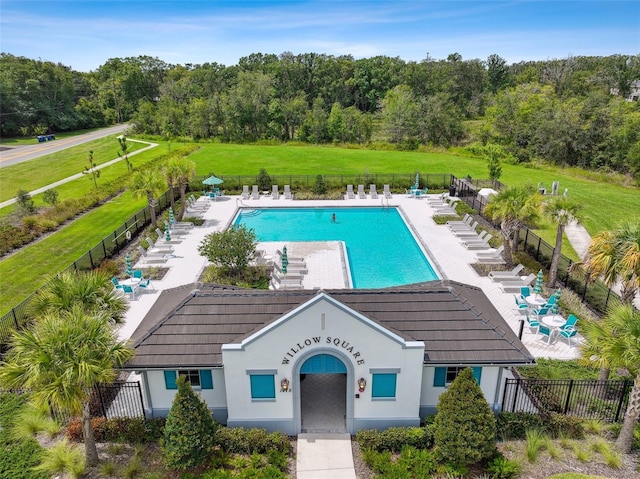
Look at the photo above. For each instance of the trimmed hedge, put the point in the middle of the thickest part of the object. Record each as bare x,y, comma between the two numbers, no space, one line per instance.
248,441
514,425
394,438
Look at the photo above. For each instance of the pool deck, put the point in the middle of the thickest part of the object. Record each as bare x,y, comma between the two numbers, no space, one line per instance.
326,270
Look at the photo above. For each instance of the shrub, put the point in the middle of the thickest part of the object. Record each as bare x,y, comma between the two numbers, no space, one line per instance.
319,187
232,248
502,468
465,427
50,197
568,425
121,429
189,430
239,440
264,180
514,425
536,441
63,458
395,438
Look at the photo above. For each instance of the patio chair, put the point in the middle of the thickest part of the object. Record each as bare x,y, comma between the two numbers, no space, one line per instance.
138,273
255,194
158,248
146,284
525,291
387,192
116,283
545,331
350,195
275,194
569,329
150,257
551,301
361,194
372,192
245,192
520,305
287,193
533,324
540,312
498,275
130,290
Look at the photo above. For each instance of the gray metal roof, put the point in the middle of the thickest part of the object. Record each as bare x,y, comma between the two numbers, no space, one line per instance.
187,326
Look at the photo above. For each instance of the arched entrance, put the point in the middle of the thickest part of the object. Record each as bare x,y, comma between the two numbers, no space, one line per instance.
323,380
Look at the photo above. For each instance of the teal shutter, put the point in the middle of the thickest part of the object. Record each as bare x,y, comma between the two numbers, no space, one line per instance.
170,380
477,373
439,378
262,386
384,386
206,381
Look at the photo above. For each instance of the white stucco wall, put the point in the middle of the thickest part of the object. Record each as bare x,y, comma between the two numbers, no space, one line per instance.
323,327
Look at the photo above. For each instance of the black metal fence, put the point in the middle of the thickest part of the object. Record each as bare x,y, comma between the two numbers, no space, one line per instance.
109,247
402,181
467,189
586,399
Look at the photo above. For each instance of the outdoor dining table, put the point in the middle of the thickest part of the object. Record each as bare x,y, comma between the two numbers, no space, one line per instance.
535,300
554,322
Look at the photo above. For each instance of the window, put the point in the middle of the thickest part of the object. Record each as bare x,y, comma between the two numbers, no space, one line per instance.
445,376
200,379
263,386
383,383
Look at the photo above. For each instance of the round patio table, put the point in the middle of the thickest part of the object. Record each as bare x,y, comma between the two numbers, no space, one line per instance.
535,300
553,321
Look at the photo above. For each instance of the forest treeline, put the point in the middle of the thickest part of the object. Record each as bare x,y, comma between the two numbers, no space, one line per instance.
570,111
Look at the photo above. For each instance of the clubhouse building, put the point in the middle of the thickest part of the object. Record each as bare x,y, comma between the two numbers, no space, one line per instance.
322,360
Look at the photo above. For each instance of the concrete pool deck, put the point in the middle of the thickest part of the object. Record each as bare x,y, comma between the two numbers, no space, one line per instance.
446,252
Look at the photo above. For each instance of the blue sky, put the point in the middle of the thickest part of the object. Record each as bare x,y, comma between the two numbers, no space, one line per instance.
84,34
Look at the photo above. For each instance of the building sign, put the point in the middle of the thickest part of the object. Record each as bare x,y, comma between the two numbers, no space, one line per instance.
327,341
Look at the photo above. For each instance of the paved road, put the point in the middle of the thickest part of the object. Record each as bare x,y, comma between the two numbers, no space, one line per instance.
21,153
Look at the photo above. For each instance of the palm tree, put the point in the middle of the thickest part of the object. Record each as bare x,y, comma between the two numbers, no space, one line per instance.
61,358
615,256
91,290
185,169
514,207
561,211
615,341
148,183
171,177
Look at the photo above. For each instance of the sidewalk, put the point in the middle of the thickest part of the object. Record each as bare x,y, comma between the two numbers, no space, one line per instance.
324,456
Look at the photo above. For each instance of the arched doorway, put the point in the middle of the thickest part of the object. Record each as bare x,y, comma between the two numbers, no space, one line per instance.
323,394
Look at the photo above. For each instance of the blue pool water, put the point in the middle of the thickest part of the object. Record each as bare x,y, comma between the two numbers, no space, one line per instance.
382,251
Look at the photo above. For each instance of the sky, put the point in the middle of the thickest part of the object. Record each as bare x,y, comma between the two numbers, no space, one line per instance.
84,34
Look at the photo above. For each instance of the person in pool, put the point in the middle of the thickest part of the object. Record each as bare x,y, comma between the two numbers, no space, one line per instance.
333,217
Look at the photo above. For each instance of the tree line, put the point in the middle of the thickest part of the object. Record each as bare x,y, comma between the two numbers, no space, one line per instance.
570,111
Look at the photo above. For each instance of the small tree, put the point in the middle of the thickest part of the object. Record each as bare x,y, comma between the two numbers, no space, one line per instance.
320,187
231,249
50,197
189,433
465,427
124,152
25,203
91,170
264,180
493,154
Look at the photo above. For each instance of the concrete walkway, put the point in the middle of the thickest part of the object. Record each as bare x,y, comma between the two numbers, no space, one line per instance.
579,238
324,456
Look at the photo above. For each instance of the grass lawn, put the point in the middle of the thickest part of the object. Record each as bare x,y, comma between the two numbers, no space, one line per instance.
605,205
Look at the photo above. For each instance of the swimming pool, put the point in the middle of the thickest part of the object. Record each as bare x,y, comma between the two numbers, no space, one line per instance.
382,251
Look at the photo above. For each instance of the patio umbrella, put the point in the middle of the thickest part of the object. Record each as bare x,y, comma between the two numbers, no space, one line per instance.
537,288
128,270
554,306
167,234
285,260
172,218
212,181
417,185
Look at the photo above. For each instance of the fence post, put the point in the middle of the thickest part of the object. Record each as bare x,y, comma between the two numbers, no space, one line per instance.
515,395
104,411
104,249
15,318
566,404
623,394
538,249
144,414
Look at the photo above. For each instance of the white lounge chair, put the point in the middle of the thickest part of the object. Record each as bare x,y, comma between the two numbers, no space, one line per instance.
491,254
477,243
457,229
157,248
245,192
255,194
286,283
372,192
275,194
175,237
292,259
350,195
466,220
514,286
387,192
361,194
293,268
151,258
471,235
499,275
287,193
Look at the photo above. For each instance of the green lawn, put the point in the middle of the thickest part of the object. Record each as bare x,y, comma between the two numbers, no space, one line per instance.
605,205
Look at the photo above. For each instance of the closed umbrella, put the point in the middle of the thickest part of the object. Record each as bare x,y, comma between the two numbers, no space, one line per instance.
285,260
128,267
537,288
417,185
172,218
167,234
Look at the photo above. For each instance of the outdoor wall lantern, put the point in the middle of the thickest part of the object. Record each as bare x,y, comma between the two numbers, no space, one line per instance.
362,384
284,385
